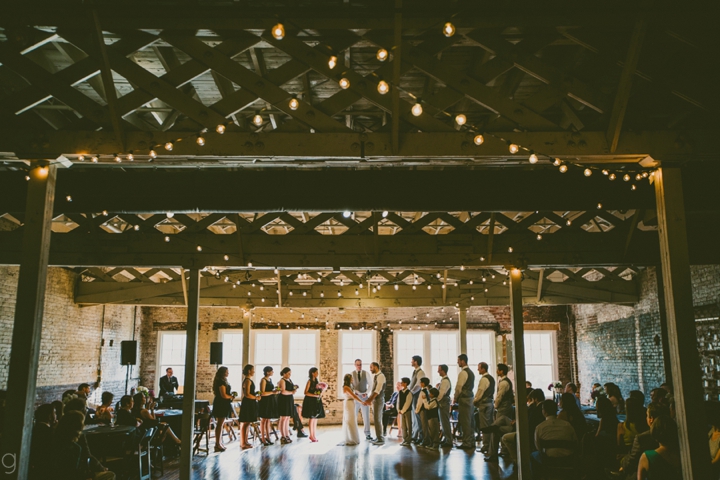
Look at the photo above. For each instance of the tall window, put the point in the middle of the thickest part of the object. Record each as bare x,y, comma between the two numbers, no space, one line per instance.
408,344
354,345
232,341
540,364
279,349
171,354
443,350
481,348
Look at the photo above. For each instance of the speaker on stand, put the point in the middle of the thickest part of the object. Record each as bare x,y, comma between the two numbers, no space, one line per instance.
128,356
216,353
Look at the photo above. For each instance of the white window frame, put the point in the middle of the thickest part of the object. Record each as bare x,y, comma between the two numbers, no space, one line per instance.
160,370
553,354
373,355
232,366
285,357
492,360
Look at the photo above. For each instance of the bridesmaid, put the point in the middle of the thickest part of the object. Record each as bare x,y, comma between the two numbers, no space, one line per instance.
222,405
286,404
268,407
249,406
312,407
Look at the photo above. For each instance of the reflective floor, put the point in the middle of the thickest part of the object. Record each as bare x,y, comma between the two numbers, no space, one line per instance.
303,460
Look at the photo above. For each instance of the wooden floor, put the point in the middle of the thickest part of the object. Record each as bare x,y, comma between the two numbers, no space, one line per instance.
303,460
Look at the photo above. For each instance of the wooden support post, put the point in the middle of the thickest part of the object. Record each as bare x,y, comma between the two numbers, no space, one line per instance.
463,330
665,342
682,336
26,335
521,413
191,353
246,337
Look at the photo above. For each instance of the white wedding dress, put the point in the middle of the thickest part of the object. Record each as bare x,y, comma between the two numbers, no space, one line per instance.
351,434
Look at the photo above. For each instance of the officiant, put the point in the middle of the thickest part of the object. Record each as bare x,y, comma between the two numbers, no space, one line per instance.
168,383
360,386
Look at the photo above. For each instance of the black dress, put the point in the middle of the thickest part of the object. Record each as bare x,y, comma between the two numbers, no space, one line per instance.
222,407
312,407
268,405
248,407
286,403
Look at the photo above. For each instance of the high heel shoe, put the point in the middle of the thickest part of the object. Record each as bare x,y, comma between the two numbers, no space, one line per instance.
314,440
219,448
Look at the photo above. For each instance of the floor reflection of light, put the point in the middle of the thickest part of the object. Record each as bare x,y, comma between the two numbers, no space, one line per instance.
387,450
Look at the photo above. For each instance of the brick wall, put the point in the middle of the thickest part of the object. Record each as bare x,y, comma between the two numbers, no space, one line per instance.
70,348
623,344
329,322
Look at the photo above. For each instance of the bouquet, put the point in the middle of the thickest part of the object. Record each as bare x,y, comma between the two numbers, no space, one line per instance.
320,388
597,392
257,394
233,394
144,391
555,386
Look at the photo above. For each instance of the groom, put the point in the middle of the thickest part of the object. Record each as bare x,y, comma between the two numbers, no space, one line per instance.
377,400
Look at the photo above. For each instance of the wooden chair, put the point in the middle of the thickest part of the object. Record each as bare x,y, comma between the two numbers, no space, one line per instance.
142,455
157,452
202,427
566,467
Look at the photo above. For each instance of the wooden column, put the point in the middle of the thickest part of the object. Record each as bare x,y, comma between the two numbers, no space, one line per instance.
665,342
29,307
191,349
246,338
521,413
463,330
682,336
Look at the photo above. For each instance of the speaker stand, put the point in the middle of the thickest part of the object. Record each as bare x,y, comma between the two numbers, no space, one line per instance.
127,373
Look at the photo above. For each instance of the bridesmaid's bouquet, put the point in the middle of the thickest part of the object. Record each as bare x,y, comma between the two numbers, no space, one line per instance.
257,394
321,387
233,394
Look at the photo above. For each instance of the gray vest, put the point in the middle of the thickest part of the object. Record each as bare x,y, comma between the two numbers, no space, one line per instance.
487,395
505,404
360,381
467,388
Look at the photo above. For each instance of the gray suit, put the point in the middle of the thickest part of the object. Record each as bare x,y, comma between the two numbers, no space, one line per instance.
378,404
414,387
444,411
360,385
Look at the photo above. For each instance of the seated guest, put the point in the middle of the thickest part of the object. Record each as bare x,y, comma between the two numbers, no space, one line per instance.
390,410
658,395
45,421
168,383
83,391
68,459
144,409
69,395
59,407
663,463
572,389
124,414
643,441
634,424
601,447
572,414
79,405
104,413
615,396
639,395
555,441
535,418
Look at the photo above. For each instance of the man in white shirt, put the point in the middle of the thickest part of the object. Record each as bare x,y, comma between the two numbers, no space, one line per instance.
464,399
505,399
444,405
404,406
414,387
360,385
377,400
555,440
483,401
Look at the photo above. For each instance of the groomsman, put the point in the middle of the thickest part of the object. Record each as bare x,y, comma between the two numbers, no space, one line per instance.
377,400
415,388
484,402
464,399
360,385
444,405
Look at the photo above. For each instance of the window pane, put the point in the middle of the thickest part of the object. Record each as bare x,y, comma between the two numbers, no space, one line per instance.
302,356
481,348
540,361
354,345
540,375
268,352
232,348
172,355
443,349
408,344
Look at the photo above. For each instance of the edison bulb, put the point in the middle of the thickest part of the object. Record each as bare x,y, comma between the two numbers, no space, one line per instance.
220,129
605,172
95,159
278,31
294,104
533,159
383,87
200,141
382,55
332,62
626,177
633,187
638,177
257,120
461,119
417,109
599,206
563,168
449,29
479,139
130,157
587,172
612,176
557,162
513,148
118,159
169,146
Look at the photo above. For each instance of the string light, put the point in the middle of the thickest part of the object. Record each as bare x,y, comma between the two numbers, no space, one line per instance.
344,83
599,206
294,104
220,129
626,177
533,159
118,159
95,159
199,248
257,120
513,148
167,239
383,87
605,172
563,168
200,141
81,158
382,55
347,214
448,29
539,236
384,213
557,162
130,157
417,109
612,177
479,139
633,187
587,172
332,62
68,198
278,31
510,250
169,146
460,119
226,257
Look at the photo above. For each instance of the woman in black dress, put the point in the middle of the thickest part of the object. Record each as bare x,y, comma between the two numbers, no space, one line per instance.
267,408
248,407
222,404
286,404
312,407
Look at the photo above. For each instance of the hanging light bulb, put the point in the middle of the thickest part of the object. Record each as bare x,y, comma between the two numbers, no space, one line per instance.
294,104
448,29
605,172
612,176
417,109
557,162
169,146
220,129
344,83
587,172
644,174
461,119
384,213
347,214
533,158
539,236
479,139
199,248
599,206
130,157
510,250
167,238
382,55
563,168
81,158
383,87
513,148
332,62
94,159
633,187
118,159
257,120
278,31
626,177
200,140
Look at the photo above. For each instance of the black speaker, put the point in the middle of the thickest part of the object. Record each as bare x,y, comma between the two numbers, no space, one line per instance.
216,353
128,352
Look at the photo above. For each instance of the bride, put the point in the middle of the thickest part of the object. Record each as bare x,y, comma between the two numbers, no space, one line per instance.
351,434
